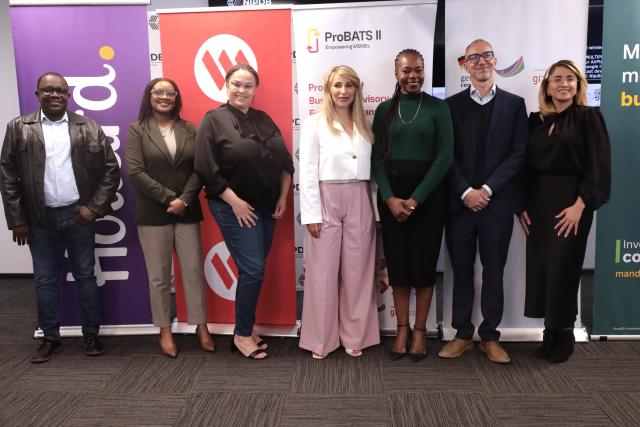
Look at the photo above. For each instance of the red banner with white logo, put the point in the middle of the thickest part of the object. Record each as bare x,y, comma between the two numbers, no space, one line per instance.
197,49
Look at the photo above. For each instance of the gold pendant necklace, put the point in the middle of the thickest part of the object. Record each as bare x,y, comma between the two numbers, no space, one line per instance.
416,113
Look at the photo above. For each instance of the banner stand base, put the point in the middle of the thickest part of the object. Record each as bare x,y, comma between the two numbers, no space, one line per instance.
105,330
521,334
615,337
292,331
178,328
431,333
227,329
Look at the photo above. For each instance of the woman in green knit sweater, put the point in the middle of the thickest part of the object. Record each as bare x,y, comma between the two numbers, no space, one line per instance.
412,153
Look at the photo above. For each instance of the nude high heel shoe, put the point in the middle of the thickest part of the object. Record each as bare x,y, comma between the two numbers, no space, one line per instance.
206,342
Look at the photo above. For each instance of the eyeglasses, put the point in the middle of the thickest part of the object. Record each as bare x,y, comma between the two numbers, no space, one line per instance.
159,93
474,58
49,91
558,79
247,86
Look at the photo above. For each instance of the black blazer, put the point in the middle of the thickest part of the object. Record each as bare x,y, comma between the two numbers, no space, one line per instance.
504,159
158,178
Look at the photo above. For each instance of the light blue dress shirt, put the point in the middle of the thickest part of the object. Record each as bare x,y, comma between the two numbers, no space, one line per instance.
60,188
475,95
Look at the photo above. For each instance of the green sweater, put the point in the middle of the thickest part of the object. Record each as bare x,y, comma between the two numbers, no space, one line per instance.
428,138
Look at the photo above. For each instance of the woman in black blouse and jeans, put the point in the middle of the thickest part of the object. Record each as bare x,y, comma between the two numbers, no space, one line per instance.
246,170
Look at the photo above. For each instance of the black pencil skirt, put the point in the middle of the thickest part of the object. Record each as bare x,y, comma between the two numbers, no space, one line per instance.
554,263
412,247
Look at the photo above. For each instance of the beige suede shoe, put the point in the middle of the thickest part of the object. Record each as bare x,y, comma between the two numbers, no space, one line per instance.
494,351
455,348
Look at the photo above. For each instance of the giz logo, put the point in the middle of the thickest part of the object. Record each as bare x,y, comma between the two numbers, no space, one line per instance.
214,58
221,272
312,40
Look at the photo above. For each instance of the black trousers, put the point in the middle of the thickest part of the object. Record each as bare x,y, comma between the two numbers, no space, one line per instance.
467,232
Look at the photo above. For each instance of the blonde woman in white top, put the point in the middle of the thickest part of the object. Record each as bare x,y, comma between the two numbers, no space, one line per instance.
339,245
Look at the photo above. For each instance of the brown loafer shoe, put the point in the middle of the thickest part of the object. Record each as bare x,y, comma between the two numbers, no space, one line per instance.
494,351
455,348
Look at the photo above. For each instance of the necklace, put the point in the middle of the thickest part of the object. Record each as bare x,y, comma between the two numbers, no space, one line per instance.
165,131
414,116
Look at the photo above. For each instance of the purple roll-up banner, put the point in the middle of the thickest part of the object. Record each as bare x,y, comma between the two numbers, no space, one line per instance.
103,52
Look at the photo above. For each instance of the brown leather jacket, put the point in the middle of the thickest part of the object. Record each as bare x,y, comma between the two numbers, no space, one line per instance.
22,161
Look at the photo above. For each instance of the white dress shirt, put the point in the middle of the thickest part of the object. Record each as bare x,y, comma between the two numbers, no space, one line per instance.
325,156
60,188
475,95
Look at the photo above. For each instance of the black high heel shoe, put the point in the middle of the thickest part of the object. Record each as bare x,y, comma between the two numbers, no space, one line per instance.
254,355
414,355
397,355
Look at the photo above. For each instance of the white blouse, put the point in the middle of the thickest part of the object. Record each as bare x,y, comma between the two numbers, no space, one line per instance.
325,156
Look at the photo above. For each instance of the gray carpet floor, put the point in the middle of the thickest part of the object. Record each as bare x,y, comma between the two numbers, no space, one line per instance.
132,384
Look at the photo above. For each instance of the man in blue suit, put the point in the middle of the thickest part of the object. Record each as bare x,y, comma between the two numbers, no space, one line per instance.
490,139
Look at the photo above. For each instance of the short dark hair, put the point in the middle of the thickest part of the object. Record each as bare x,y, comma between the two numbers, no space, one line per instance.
146,112
245,67
50,73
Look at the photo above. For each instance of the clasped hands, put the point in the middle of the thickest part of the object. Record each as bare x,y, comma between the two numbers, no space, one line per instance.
177,207
477,199
401,209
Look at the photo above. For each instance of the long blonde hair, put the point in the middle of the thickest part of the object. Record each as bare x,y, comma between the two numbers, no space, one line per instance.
544,100
357,110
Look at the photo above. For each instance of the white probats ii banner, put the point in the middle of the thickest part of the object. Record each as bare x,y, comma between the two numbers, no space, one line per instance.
527,36
366,37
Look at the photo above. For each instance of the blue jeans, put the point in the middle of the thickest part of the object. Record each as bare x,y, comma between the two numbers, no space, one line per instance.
46,252
249,248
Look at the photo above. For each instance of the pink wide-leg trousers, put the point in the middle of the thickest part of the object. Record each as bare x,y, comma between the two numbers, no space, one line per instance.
339,293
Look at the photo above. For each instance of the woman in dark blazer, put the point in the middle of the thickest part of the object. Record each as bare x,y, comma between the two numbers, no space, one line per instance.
159,155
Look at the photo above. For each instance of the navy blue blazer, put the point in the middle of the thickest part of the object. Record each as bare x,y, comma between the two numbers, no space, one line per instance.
504,159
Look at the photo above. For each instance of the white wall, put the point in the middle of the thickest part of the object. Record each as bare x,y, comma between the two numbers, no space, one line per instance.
13,259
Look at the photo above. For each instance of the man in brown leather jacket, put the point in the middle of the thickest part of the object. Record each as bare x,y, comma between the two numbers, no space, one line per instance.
58,174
